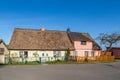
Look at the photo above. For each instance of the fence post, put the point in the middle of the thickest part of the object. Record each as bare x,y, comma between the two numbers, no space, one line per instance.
40,60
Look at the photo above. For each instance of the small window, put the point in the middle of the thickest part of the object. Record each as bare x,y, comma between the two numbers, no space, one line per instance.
1,50
25,54
92,54
42,54
21,53
86,53
75,53
57,53
47,54
83,42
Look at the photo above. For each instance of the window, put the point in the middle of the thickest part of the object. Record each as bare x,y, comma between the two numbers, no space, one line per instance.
56,53
75,53
92,54
25,54
42,54
86,53
47,54
1,50
21,53
83,42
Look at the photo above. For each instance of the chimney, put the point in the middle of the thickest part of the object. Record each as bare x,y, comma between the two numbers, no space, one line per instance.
68,30
42,29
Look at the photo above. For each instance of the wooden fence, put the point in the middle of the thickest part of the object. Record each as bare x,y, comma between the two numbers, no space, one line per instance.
106,53
96,58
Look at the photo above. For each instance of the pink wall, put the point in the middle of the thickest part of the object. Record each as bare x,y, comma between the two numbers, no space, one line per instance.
80,49
78,45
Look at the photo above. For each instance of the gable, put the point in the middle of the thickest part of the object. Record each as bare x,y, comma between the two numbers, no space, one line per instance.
75,36
3,48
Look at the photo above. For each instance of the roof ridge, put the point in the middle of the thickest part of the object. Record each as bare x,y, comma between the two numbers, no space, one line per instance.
37,29
25,29
80,32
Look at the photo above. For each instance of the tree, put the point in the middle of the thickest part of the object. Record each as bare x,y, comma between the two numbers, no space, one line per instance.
67,55
109,39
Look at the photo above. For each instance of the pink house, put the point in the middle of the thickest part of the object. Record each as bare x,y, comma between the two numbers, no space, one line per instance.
84,44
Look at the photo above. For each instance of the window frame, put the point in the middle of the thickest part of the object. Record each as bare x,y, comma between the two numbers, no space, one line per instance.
26,54
92,53
83,42
46,54
56,53
43,54
2,50
86,53
21,54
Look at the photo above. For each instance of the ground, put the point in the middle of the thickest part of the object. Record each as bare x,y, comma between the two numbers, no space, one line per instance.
104,71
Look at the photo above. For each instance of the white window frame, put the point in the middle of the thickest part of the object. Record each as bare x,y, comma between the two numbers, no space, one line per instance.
86,53
56,53
92,53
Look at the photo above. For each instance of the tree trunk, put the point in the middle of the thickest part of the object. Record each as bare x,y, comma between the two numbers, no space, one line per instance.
109,47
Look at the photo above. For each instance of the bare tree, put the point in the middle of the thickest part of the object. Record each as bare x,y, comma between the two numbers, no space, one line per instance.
109,39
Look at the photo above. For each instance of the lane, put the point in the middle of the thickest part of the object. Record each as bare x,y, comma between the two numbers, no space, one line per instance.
62,72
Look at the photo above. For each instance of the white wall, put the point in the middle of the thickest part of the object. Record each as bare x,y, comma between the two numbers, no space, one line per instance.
30,53
6,51
2,56
44,58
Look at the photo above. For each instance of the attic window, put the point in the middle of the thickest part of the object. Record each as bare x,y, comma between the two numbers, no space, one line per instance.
1,50
83,42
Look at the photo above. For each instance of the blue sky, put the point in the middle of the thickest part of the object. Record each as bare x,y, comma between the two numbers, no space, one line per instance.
91,16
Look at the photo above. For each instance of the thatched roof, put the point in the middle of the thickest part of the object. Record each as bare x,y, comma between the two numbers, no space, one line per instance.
27,39
75,36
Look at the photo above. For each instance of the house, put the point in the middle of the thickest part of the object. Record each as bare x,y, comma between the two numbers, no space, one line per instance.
45,43
3,51
115,51
52,44
84,44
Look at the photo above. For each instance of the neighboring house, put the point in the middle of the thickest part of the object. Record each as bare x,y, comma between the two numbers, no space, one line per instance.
84,44
3,51
115,51
46,43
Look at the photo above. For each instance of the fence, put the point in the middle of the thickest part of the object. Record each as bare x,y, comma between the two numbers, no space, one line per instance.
106,53
96,58
40,60
19,60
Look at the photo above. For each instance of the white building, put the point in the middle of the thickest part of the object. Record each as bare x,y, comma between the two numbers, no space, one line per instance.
3,51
